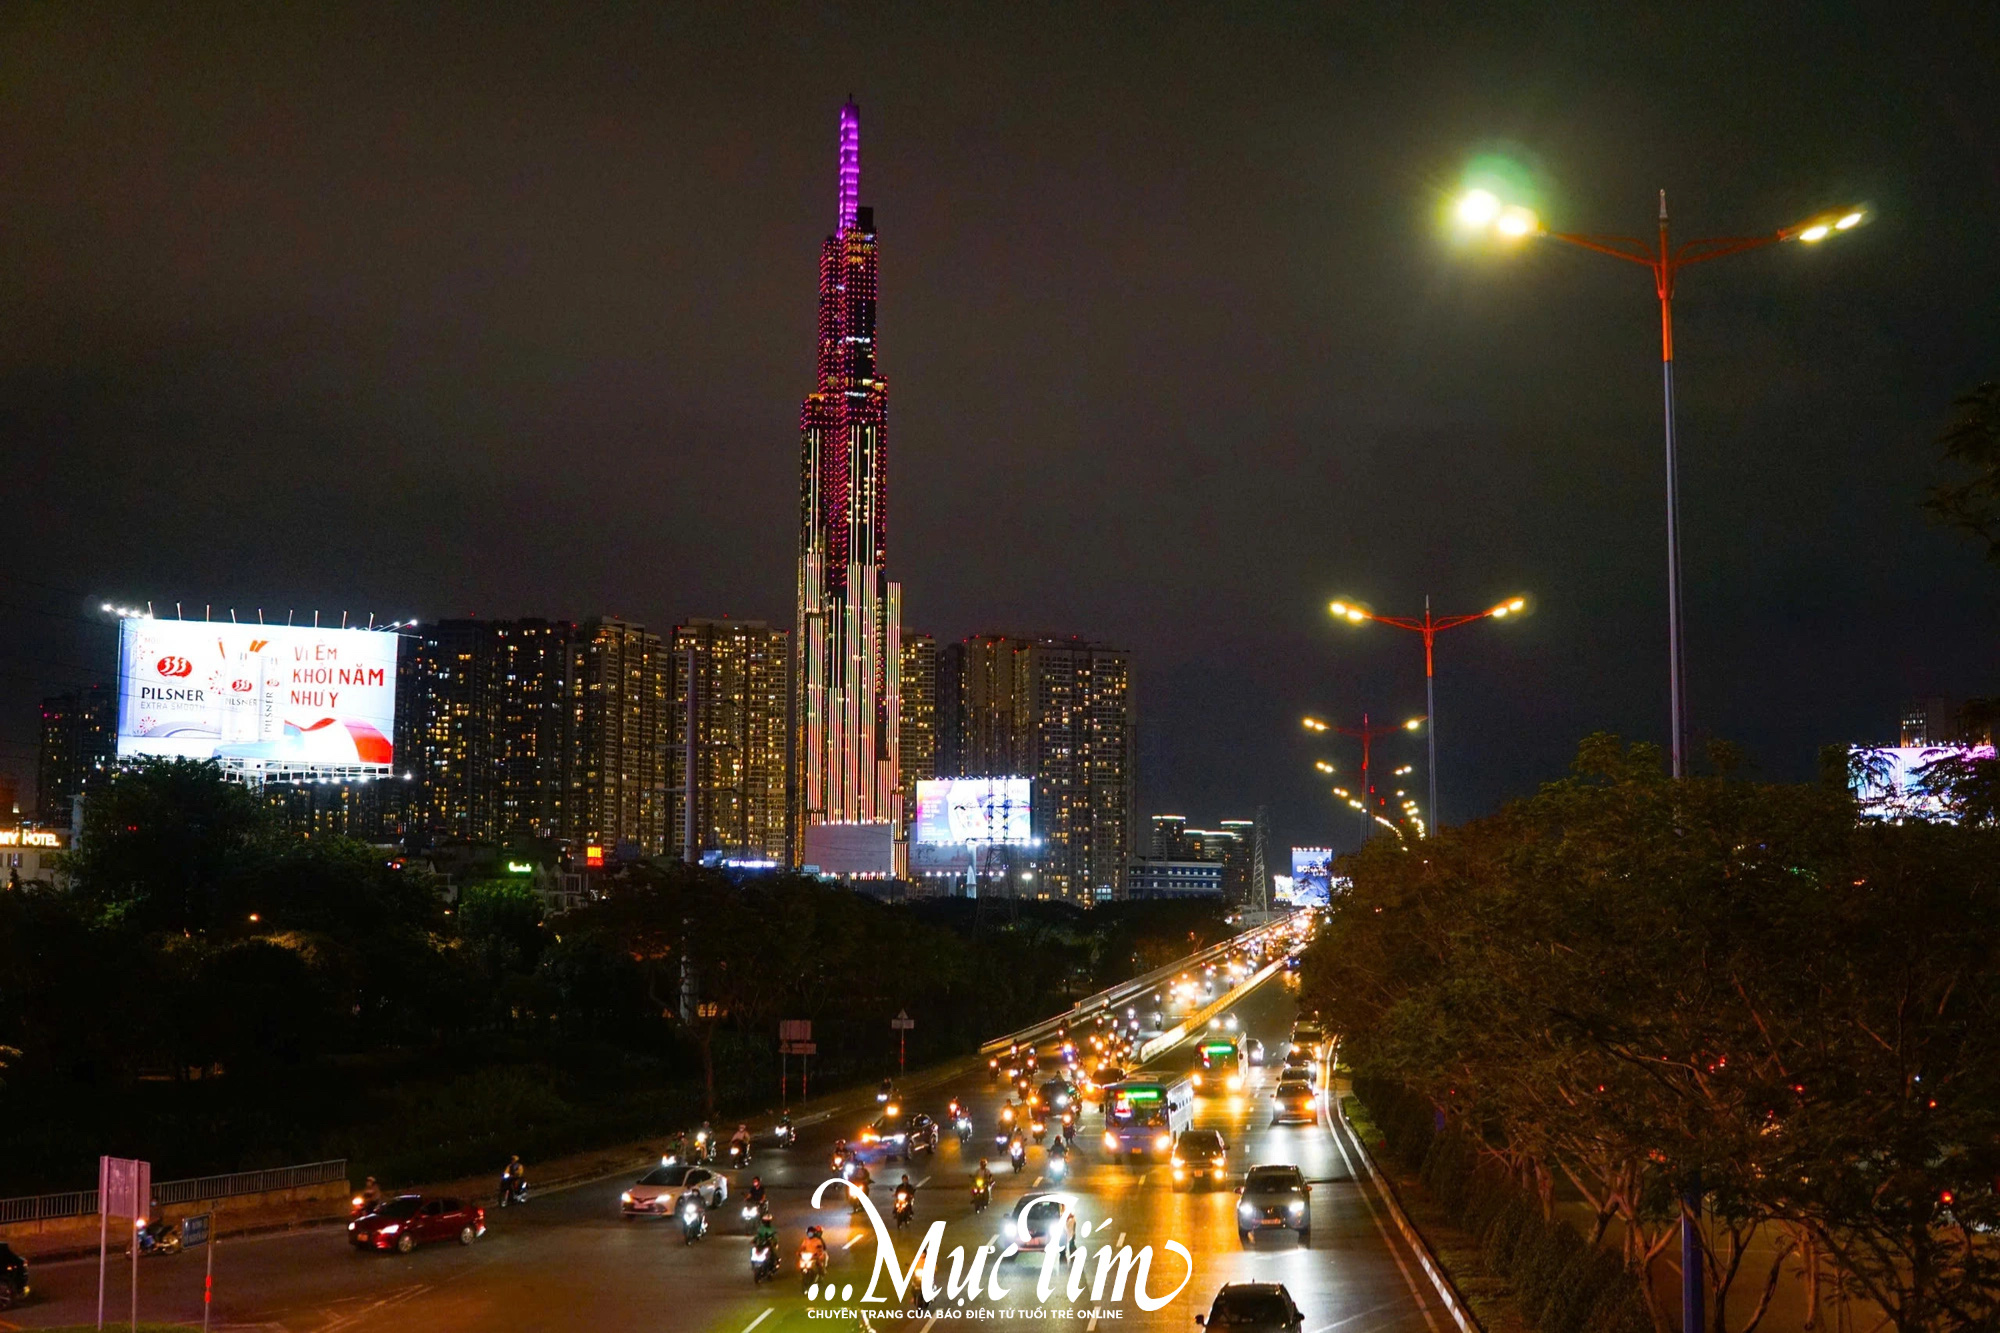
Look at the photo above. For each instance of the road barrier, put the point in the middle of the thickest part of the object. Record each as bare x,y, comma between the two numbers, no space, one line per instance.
1196,1021
1448,1293
83,1203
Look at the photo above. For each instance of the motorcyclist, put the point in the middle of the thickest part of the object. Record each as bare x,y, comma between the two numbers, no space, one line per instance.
859,1183
677,1151
704,1141
813,1248
1017,1151
753,1197
1057,1148
371,1195
697,1222
906,1193
766,1235
514,1180
739,1142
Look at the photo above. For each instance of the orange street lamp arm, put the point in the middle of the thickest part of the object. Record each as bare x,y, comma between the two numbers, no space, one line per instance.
1629,248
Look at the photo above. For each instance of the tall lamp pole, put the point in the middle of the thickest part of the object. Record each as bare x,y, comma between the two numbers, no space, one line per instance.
1430,627
1481,210
1367,735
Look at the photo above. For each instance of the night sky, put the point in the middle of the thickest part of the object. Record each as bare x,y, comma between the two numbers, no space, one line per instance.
508,311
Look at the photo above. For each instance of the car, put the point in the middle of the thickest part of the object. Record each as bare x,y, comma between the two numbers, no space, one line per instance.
13,1277
1201,1157
409,1220
1307,1074
1035,1219
898,1134
1253,1307
1057,1094
1274,1198
655,1193
1253,1051
1308,1036
1293,1100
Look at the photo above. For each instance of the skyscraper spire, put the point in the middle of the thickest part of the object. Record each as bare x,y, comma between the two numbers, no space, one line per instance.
850,164
847,651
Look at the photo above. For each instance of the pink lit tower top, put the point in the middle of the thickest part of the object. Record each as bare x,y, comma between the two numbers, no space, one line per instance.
846,692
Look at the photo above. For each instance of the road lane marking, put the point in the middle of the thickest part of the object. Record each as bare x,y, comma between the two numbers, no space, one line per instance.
1423,1306
759,1319
855,1240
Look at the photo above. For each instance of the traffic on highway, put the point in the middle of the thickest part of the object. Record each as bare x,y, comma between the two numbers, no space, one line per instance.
1135,1166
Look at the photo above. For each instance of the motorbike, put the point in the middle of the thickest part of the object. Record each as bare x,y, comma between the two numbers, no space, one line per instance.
159,1238
694,1221
700,1151
785,1133
964,1127
513,1189
751,1213
906,1208
359,1206
812,1267
1069,1128
1017,1153
839,1164
1040,1128
739,1155
982,1195
1058,1169
763,1263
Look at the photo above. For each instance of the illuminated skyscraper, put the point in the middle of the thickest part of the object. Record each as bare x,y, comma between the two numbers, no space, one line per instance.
727,724
919,739
847,653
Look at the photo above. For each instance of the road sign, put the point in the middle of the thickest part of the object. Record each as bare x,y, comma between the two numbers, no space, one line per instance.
795,1029
194,1230
902,1022
798,1048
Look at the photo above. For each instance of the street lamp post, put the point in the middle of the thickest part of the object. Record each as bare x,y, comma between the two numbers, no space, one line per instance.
1367,735
1430,627
1484,211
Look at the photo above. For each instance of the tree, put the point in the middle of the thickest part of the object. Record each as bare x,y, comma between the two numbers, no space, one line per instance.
1972,441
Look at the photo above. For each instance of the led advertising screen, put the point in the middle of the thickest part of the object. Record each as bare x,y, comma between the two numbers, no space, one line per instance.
1887,781
969,810
264,695
1312,876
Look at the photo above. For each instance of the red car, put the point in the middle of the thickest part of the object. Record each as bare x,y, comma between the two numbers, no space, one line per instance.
409,1220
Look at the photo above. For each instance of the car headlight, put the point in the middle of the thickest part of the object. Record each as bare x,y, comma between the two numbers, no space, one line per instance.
626,1197
1007,1228
1236,1082
350,1226
1248,1210
392,1229
1163,1142
1111,1140
1197,1080
1298,1206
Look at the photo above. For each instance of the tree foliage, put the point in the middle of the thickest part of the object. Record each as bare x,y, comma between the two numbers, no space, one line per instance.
1972,441
1628,987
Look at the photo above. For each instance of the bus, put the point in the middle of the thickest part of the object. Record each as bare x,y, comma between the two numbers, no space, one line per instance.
1141,1116
1218,1067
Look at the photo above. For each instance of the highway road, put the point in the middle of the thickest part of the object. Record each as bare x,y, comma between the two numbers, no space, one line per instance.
568,1260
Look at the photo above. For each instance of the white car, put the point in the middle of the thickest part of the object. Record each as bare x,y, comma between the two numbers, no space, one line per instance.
655,1193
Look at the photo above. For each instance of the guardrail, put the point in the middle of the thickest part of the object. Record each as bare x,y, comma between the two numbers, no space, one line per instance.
1125,990
1448,1293
83,1203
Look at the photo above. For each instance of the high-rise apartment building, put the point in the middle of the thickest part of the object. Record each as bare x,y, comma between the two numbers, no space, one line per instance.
1169,841
78,752
1228,847
919,739
1058,711
534,729
847,651
726,725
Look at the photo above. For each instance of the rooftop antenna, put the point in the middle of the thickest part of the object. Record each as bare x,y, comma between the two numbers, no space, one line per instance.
343,620
260,615
850,162
315,617
288,617
371,620
232,615
177,610
149,610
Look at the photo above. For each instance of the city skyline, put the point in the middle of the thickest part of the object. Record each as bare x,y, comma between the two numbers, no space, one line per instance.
1270,382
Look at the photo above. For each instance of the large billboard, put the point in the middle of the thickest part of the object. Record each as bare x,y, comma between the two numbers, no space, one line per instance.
266,696
972,810
1312,876
1887,781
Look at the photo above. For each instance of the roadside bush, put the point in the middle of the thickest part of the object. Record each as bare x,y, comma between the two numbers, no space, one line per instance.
1540,1266
1580,1287
1514,1227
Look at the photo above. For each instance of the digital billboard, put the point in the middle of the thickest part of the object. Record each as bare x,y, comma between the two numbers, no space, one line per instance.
1887,781
1312,876
972,810
265,696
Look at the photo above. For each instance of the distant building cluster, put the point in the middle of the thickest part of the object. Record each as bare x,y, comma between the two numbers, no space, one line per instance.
566,746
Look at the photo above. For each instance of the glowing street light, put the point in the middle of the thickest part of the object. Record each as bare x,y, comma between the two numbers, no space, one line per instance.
1482,212
1430,627
1322,766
